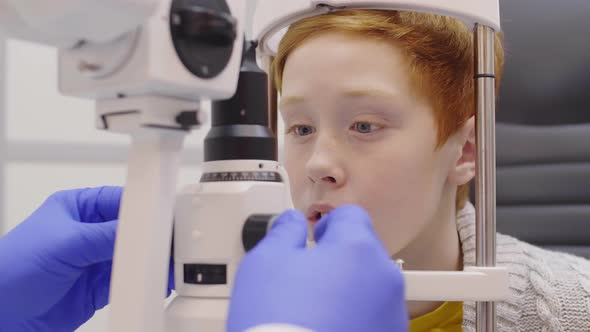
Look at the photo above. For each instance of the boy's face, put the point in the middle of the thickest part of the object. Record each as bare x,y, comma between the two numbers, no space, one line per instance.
357,134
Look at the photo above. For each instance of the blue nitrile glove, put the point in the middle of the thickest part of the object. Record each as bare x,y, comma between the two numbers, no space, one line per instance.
55,266
347,282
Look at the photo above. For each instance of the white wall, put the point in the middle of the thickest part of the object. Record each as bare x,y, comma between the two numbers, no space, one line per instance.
49,142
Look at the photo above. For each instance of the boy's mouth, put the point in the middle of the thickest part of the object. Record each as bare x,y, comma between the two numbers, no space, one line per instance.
315,217
317,211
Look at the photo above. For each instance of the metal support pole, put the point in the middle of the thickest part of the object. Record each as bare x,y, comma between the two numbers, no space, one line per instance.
273,96
3,138
485,196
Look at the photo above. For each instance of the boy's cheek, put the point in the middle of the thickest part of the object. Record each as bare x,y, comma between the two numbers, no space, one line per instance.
394,199
397,226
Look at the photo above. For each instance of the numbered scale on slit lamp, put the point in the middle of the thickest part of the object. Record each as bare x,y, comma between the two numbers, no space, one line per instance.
242,176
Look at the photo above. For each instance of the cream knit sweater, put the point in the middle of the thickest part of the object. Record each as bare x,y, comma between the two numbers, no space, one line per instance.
549,291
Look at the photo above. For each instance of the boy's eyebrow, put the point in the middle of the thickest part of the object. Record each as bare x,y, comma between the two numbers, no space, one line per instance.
370,93
292,100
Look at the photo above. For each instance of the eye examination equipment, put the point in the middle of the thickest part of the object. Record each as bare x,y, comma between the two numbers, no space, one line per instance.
148,64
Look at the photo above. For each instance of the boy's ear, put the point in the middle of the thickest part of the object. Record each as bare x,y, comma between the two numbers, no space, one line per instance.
464,168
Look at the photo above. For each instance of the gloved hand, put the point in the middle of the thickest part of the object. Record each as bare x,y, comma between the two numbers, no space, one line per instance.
347,282
56,265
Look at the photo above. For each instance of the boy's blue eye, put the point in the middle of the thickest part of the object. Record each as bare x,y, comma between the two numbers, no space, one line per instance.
363,127
303,130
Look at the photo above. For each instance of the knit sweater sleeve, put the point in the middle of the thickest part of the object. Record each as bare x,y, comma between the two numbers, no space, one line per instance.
558,292
549,291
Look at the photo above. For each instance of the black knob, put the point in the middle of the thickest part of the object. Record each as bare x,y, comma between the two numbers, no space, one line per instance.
255,230
204,25
203,33
188,119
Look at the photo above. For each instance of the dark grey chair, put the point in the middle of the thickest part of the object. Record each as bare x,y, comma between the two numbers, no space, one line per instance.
543,125
543,185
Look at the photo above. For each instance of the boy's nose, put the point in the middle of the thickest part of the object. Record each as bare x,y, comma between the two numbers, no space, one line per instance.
322,169
326,179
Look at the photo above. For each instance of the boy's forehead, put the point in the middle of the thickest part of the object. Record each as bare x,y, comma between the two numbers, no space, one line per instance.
353,93
332,55
333,42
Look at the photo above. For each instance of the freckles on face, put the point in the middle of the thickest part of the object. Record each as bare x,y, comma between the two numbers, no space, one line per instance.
352,117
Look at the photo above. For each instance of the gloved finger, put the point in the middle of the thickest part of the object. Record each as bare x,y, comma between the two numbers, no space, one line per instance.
288,231
101,290
93,244
99,204
345,223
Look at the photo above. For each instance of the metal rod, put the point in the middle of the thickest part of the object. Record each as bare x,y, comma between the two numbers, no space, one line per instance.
485,196
273,104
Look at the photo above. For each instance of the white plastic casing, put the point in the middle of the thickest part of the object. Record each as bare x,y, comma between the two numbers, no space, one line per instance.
471,284
208,227
152,65
209,219
64,23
